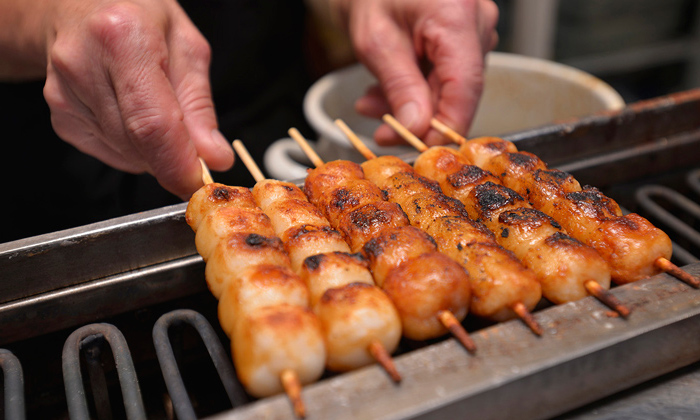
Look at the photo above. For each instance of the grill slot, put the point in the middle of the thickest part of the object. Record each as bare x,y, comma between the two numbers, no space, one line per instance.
648,197
89,340
13,386
170,323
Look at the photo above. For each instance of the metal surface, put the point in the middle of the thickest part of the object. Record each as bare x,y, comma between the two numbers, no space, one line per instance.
168,365
645,196
13,386
75,256
70,278
672,396
584,355
68,307
73,379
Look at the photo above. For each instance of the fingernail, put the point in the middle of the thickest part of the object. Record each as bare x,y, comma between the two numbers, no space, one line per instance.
408,114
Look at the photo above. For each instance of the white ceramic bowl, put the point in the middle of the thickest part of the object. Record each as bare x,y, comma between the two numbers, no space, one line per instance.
519,93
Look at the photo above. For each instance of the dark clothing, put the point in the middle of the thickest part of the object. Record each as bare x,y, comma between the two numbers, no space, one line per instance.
259,76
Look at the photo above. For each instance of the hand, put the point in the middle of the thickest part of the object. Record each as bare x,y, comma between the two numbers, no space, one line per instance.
127,82
428,58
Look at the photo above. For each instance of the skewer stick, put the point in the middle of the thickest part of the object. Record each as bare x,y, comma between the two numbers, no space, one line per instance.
447,131
404,133
594,288
290,380
292,386
379,353
376,349
591,286
248,160
672,269
518,307
355,140
526,316
661,263
308,151
447,318
206,175
453,325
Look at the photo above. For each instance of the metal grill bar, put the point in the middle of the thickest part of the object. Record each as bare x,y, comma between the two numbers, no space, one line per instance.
645,196
72,377
694,180
14,385
168,364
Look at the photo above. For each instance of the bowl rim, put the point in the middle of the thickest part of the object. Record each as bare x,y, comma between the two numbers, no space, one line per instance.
325,126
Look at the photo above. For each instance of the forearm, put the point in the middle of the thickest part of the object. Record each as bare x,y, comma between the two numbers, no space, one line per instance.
23,39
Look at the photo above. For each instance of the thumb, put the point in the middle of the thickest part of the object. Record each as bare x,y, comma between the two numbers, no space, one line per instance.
211,145
189,71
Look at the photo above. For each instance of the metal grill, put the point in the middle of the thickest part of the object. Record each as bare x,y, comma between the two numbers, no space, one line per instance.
514,373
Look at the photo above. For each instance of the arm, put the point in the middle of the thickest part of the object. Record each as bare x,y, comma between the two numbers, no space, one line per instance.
428,58
126,82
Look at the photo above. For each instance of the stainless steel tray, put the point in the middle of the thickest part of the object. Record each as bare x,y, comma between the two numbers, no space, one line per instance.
585,354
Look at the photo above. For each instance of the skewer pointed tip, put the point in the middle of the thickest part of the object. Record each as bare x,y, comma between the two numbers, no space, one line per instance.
526,316
455,327
206,175
383,357
292,386
672,269
595,289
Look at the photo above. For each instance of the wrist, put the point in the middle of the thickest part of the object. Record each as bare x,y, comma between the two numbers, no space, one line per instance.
23,40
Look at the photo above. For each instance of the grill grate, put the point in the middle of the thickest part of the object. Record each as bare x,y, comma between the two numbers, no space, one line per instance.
90,339
13,385
169,323
650,197
440,379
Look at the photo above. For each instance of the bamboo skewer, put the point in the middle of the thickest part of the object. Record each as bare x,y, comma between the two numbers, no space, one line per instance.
447,131
668,267
405,134
591,286
661,263
289,378
594,288
518,307
308,150
376,349
292,387
206,175
447,319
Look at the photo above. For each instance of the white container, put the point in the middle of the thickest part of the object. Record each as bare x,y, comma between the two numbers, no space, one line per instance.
519,93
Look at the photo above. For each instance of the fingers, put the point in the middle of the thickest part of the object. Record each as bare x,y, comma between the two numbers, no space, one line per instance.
384,47
487,20
452,36
373,104
456,50
131,88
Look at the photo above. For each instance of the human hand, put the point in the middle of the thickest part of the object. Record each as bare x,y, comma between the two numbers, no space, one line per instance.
427,56
127,82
